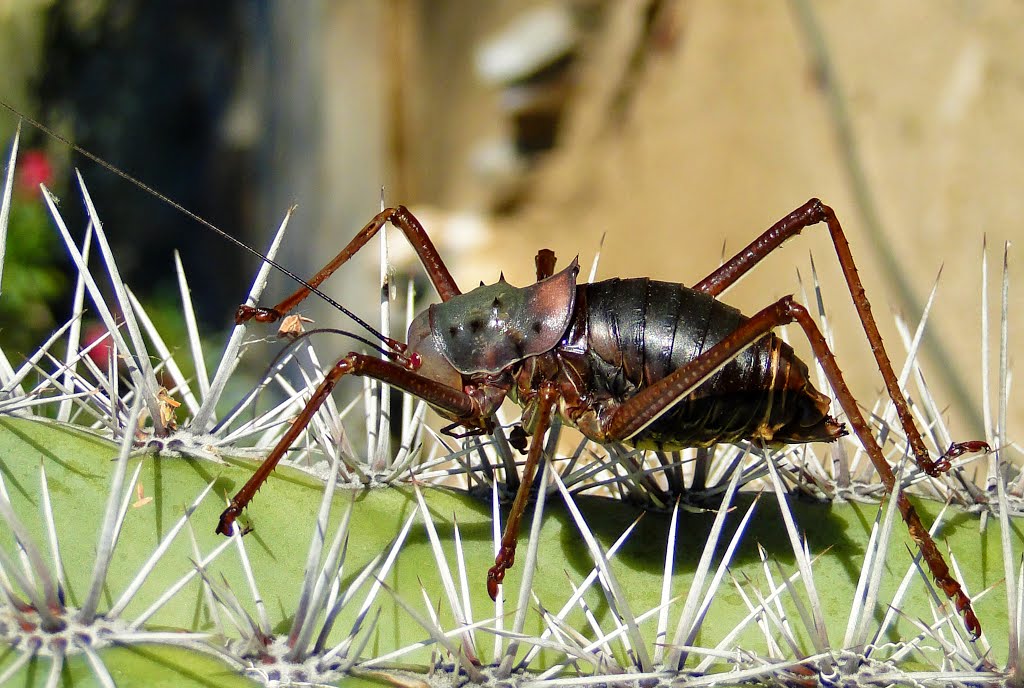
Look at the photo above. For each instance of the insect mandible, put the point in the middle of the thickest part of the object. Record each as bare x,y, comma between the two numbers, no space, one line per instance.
645,363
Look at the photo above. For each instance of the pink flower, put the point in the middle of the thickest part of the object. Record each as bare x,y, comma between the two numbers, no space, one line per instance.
101,352
34,169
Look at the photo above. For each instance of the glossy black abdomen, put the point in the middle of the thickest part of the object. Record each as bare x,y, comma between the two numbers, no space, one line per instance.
635,332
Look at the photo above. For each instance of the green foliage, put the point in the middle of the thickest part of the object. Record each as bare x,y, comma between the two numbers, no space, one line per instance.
32,278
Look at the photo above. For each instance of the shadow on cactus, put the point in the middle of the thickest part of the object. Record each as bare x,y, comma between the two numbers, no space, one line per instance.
367,557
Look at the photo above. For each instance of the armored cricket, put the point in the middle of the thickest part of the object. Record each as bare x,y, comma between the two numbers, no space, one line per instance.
653,365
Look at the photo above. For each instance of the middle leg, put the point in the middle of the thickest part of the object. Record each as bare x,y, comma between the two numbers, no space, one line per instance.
545,262
507,553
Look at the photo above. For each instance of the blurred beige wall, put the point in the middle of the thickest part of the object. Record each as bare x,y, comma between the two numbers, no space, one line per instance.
728,126
685,139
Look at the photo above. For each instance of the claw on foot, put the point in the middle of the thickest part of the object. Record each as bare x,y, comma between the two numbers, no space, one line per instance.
264,315
959,448
955,592
227,519
496,574
955,450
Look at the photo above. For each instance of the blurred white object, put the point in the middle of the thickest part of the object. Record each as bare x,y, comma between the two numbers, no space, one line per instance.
535,40
498,164
455,234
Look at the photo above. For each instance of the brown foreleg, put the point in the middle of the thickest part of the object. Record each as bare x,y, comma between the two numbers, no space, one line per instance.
454,401
507,553
647,406
401,218
811,213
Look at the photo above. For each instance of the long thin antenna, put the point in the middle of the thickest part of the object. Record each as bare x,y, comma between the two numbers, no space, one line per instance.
201,220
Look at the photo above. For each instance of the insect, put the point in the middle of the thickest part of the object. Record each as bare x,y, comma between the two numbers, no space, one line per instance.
645,363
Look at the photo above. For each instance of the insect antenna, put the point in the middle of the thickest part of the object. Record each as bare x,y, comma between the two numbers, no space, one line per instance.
295,339
206,223
393,355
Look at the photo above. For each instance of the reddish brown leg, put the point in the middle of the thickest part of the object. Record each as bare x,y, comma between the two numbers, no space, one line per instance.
507,554
810,213
454,401
401,218
545,262
644,408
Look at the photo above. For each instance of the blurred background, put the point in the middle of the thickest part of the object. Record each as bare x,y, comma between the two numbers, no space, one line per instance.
674,131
